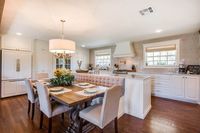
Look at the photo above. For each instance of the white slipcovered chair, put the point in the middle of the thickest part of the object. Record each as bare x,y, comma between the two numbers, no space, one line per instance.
32,96
42,76
102,114
50,109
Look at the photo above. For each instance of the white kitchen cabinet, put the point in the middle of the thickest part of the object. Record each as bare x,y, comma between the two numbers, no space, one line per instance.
8,64
177,86
137,99
160,85
16,66
12,88
9,88
16,42
21,88
192,88
25,64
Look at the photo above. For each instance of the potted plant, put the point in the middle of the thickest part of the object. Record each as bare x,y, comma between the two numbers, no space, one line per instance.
63,77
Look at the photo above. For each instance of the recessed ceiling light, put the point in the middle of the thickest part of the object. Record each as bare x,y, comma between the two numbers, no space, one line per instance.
18,33
159,30
83,46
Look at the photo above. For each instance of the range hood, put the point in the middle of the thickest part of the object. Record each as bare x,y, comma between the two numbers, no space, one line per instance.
124,49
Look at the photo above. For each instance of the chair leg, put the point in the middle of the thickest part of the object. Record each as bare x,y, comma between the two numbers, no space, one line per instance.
116,125
50,125
29,106
101,130
63,116
41,119
80,125
33,110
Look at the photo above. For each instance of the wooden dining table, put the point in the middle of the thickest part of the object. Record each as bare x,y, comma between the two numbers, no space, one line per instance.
77,102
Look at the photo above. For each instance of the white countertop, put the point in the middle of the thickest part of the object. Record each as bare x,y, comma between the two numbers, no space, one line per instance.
138,77
167,73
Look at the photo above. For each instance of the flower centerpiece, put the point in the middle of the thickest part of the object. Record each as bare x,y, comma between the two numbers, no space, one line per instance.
63,77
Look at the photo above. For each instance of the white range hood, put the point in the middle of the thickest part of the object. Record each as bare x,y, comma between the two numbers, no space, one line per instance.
124,49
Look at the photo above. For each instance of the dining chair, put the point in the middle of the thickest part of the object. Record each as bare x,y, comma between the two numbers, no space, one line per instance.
102,114
50,109
40,76
32,96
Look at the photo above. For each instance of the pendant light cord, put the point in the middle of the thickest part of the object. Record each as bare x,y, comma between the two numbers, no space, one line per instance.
62,31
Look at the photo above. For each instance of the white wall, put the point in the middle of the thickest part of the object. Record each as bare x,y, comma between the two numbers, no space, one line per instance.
81,54
43,60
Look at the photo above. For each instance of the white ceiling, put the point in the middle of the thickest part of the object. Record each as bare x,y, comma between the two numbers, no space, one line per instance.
97,23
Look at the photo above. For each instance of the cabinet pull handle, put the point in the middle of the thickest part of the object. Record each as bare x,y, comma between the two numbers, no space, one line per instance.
18,65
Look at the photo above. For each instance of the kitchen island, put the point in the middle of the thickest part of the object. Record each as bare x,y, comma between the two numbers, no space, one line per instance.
136,98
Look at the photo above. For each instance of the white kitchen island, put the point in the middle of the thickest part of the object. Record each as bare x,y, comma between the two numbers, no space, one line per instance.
136,100
137,97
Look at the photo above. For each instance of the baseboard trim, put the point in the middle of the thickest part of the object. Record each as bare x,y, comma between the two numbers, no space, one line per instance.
120,115
146,112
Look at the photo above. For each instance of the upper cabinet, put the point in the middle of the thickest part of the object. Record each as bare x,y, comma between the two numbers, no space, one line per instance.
16,42
16,64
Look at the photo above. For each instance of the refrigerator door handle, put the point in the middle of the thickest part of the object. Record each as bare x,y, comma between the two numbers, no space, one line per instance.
18,65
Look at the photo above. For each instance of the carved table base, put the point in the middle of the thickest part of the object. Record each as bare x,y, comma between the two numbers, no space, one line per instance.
75,120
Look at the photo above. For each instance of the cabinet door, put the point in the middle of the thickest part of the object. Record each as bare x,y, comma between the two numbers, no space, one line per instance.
9,88
25,64
177,86
21,88
9,62
192,88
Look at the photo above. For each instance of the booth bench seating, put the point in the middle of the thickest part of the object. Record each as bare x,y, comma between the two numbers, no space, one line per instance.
104,80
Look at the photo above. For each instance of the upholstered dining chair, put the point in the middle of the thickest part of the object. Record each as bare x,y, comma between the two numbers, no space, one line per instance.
41,76
32,96
102,114
50,109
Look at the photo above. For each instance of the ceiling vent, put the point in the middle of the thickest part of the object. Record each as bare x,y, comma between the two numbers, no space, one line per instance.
146,11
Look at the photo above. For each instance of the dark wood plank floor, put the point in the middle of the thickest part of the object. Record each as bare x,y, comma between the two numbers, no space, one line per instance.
166,116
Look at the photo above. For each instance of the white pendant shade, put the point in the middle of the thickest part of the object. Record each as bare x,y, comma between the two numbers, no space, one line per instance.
62,46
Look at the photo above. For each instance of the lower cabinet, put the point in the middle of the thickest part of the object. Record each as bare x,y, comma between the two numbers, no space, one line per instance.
12,88
192,88
186,88
177,86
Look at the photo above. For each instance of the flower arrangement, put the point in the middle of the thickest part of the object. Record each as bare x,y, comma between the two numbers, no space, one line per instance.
63,77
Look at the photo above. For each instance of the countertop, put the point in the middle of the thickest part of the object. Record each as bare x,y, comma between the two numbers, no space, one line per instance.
167,73
130,76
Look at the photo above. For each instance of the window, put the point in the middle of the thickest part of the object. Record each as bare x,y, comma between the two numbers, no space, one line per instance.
162,54
63,63
103,58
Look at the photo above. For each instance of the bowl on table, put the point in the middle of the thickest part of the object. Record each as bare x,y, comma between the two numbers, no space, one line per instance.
84,84
90,90
56,89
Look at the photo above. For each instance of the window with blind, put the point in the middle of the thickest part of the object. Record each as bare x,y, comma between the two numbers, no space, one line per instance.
162,54
103,58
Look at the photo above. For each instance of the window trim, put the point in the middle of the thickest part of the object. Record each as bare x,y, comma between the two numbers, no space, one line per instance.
163,43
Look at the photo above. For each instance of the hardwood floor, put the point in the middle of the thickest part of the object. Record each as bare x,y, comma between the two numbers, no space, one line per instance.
166,116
